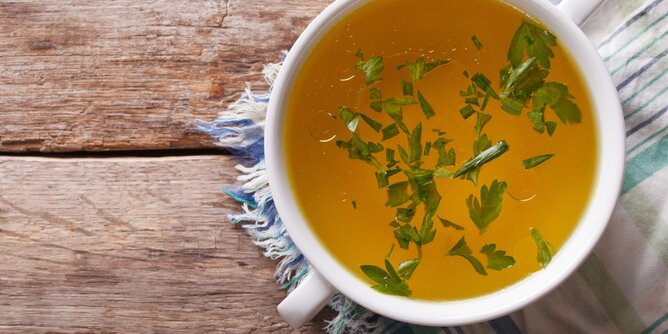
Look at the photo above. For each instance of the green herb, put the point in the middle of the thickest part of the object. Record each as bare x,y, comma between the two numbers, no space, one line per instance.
533,41
427,231
389,156
395,111
371,67
483,158
497,259
405,235
424,189
556,96
519,85
397,195
375,125
376,99
479,145
354,203
476,42
484,84
403,154
349,118
481,121
551,126
545,250
438,132
537,160
488,208
425,192
442,173
426,107
388,282
383,178
446,223
427,148
446,158
467,111
415,141
359,150
407,268
401,101
390,131
405,215
463,250
420,67
407,87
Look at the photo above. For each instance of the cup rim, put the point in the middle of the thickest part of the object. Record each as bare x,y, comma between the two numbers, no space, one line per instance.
604,194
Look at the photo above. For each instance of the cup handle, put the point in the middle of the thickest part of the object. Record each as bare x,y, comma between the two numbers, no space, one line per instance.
305,301
579,10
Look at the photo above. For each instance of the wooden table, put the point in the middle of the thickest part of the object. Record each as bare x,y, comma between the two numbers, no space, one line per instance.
111,215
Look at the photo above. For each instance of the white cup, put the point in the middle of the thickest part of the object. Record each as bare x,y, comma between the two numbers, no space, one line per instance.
329,276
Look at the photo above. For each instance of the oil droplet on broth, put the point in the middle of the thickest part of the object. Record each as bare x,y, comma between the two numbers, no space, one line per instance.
522,184
323,126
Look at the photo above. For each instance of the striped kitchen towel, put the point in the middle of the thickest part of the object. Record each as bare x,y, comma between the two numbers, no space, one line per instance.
621,288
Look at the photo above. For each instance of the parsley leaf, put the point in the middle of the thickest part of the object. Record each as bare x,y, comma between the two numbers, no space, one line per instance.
390,131
354,203
407,87
395,111
484,84
388,282
545,250
349,117
556,96
484,157
488,208
420,67
407,268
497,259
375,125
397,195
415,141
405,215
358,149
479,145
481,121
371,67
463,250
405,234
537,160
476,42
376,99
467,111
533,41
424,188
446,223
426,107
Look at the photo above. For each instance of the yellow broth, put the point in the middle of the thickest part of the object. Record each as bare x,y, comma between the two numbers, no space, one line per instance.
550,197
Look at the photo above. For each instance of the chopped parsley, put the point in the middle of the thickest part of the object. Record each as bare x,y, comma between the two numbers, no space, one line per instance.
463,250
545,250
497,259
485,210
537,160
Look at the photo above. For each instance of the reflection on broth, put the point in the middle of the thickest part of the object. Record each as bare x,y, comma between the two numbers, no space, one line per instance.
440,149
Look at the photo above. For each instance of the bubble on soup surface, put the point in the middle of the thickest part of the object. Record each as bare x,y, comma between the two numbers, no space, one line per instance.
323,126
522,184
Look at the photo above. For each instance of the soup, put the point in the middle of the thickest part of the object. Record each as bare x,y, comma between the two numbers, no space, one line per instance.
423,170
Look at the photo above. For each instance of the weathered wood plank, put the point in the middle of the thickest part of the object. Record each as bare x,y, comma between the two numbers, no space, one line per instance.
129,245
122,75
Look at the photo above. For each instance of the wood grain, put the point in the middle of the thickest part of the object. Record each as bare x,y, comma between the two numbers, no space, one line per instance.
99,75
129,245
